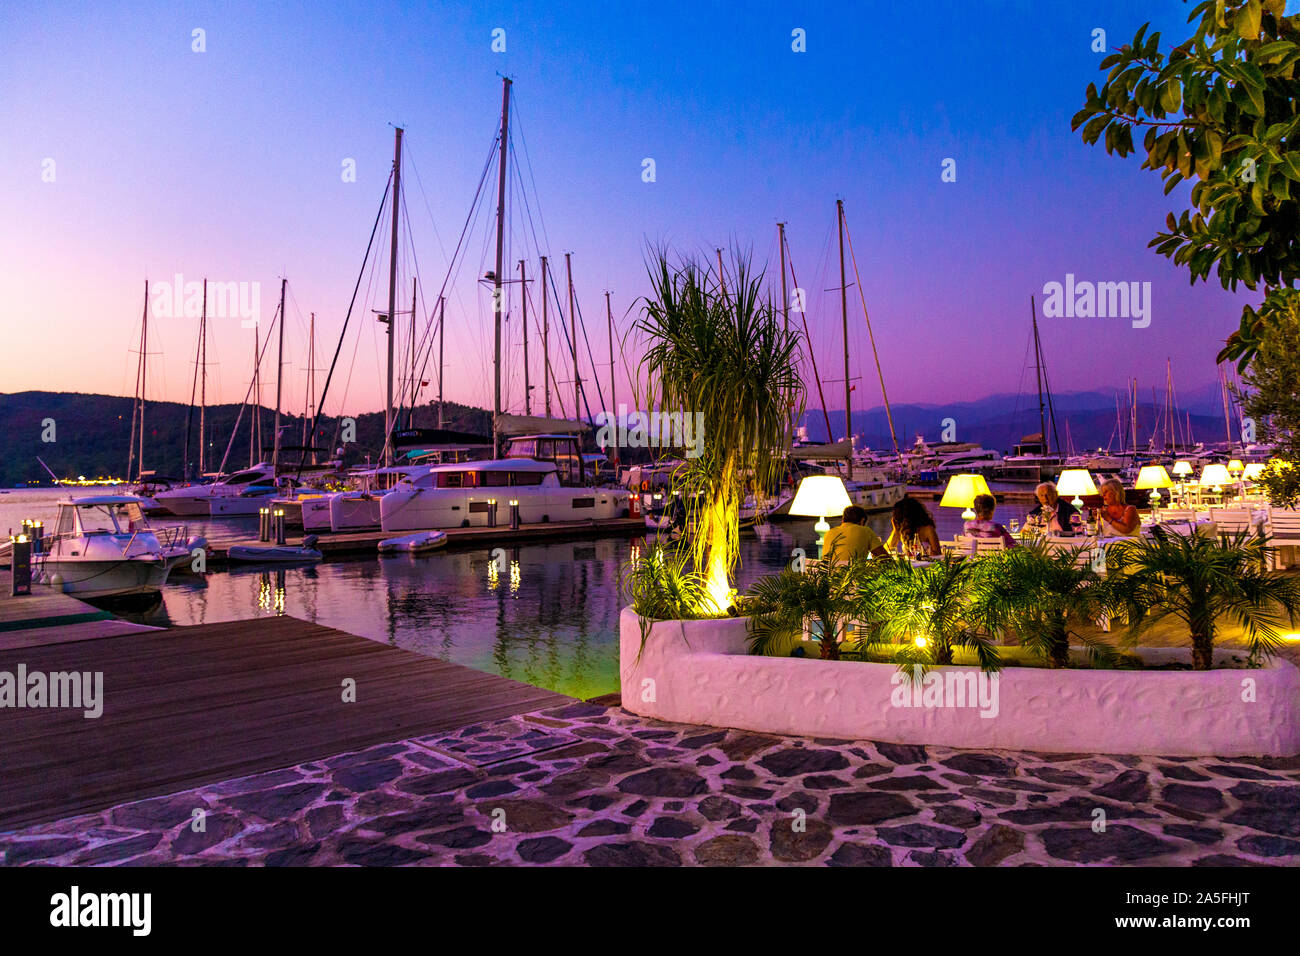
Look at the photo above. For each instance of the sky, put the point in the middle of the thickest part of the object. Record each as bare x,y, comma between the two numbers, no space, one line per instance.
127,153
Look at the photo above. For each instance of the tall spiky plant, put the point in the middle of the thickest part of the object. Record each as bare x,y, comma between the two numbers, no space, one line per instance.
1042,597
724,353
1201,580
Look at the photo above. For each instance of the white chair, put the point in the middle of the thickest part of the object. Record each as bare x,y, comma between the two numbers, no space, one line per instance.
1283,526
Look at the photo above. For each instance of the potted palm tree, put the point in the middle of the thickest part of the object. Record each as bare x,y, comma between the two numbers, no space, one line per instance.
1042,598
660,585
825,595
723,354
927,610
1202,581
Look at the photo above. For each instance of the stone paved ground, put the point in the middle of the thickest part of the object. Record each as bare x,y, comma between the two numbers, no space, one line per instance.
588,784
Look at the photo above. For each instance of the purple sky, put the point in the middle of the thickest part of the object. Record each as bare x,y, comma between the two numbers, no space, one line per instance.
227,163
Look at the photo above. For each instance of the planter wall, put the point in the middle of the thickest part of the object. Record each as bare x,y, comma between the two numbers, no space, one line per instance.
700,672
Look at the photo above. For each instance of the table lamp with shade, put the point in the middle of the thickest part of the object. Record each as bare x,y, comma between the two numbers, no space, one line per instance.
1077,482
817,497
962,491
1154,477
1235,467
1252,471
1181,470
1215,476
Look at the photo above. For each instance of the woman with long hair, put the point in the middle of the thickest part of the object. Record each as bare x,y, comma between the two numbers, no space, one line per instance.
912,523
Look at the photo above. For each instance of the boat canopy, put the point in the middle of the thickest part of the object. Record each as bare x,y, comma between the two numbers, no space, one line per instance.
538,425
837,450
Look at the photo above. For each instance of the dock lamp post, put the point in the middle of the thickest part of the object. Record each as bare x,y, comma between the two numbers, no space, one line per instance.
514,514
492,512
1153,477
817,497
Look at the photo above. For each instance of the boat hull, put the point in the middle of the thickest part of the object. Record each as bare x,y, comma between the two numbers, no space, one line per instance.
421,509
106,578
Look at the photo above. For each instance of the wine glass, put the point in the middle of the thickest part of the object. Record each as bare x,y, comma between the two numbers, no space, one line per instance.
1015,527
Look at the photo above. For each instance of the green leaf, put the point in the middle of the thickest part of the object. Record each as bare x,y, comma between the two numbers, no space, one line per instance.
1290,166
1247,24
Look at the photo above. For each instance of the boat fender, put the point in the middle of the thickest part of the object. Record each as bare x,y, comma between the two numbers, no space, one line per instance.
309,542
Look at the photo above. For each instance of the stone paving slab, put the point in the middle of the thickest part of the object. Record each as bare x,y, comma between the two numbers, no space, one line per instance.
624,791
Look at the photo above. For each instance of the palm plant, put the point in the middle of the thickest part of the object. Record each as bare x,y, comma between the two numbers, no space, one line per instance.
1043,597
1202,580
927,609
660,585
827,593
725,354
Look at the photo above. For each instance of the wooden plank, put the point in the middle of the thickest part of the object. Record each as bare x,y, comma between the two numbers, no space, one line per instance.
194,705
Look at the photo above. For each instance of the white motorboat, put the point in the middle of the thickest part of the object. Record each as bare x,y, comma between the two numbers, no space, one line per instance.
248,502
465,494
420,542
196,499
103,545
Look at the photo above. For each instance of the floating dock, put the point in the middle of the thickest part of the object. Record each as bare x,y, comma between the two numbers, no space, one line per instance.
367,542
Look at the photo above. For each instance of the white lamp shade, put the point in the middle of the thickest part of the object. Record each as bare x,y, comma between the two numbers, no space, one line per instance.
819,496
1235,465
1253,471
962,491
1153,476
1182,468
1075,482
1215,475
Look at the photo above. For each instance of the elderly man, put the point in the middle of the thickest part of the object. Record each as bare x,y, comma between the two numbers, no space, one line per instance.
852,537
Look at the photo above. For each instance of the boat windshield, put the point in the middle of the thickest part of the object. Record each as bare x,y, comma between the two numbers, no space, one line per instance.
121,518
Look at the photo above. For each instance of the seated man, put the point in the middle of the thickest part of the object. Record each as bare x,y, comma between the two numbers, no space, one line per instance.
983,525
852,538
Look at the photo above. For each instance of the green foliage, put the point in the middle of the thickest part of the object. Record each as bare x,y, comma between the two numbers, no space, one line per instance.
828,593
661,585
1041,597
1200,581
1221,109
932,603
722,352
1272,398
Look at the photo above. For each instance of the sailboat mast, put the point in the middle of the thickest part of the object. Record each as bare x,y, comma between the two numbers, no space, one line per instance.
254,426
546,342
442,338
279,378
410,416
497,278
523,302
392,294
203,394
785,300
573,339
1038,368
844,318
613,401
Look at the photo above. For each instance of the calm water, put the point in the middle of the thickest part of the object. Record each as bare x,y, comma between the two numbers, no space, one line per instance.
551,619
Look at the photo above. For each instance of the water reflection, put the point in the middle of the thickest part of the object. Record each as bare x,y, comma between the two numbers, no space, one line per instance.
546,614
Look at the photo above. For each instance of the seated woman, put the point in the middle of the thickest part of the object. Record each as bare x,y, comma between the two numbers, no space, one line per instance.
1117,518
912,523
983,525
1052,515
852,538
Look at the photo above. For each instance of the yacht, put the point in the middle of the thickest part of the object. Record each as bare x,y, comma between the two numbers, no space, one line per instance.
195,499
103,545
461,495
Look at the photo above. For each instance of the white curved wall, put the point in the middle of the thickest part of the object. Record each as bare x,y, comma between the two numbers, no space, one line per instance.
700,672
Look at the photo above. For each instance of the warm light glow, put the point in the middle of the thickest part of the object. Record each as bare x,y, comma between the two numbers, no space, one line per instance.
1215,475
919,641
1153,476
962,491
1235,466
1293,637
819,496
1253,471
1076,482
1182,468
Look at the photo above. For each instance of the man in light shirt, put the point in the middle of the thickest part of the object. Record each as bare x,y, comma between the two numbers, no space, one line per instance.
852,538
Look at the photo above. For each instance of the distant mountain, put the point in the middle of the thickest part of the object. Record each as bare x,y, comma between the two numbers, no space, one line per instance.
91,433
999,421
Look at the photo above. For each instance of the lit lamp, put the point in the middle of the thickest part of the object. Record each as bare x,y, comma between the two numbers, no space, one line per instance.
1077,482
817,497
962,491
1252,471
1215,476
1181,470
1154,477
1235,466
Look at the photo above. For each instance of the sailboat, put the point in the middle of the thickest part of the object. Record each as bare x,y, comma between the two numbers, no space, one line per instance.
1032,459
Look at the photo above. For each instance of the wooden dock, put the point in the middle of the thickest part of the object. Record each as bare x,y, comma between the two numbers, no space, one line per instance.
367,542
50,617
193,705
